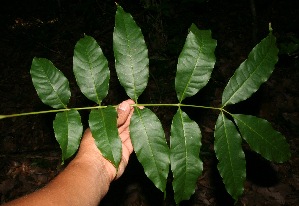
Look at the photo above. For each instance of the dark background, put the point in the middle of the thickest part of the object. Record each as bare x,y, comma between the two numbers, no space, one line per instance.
29,154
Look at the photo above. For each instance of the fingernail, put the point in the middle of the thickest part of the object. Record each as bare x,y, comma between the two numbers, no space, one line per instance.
122,107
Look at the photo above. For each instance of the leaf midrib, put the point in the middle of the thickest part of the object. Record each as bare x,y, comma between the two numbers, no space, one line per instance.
199,51
257,67
262,137
52,85
107,135
131,59
148,142
226,135
92,74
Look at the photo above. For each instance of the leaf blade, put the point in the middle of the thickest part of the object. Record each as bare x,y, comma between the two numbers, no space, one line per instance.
150,146
262,138
252,72
185,146
103,126
50,84
131,54
91,69
195,63
230,155
68,131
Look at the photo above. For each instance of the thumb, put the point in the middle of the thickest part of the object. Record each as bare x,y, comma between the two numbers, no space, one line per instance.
124,110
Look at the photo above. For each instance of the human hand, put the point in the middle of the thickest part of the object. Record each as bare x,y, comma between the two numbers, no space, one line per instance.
125,112
88,150
86,179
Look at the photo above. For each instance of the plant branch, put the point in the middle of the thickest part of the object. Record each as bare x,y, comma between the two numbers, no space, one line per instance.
48,111
98,107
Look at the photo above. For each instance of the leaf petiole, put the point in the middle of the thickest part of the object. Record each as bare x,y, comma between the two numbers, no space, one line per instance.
177,105
49,111
100,106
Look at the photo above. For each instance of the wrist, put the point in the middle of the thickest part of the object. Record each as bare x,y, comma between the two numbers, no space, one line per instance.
89,153
100,164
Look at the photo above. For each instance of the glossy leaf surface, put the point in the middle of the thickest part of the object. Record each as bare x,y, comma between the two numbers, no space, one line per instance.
131,55
68,131
262,138
254,71
230,155
91,69
50,84
103,126
185,163
195,63
150,146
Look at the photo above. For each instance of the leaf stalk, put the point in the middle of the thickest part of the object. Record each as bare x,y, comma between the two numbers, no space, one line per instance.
100,106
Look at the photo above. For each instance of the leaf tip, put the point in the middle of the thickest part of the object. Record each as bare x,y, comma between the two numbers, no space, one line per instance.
270,28
119,8
62,161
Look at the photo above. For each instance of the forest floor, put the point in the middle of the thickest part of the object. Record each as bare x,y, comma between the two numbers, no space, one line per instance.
29,154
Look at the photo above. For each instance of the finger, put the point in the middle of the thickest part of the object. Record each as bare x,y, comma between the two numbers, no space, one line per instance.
126,124
125,139
128,144
123,111
124,161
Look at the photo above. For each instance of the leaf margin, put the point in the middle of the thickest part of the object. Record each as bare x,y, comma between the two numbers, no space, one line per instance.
234,190
60,88
86,67
106,139
195,164
72,120
144,116
271,40
263,126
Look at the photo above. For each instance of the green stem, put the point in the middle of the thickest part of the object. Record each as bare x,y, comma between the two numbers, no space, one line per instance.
227,112
178,105
97,107
48,111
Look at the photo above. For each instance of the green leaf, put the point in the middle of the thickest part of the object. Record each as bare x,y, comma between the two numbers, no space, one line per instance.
254,71
195,63
103,126
50,84
149,143
262,138
131,55
68,131
91,69
231,157
185,146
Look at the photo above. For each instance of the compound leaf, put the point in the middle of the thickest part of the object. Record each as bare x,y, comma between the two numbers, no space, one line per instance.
68,131
131,55
195,63
254,71
50,84
150,145
230,155
262,138
185,163
103,126
91,69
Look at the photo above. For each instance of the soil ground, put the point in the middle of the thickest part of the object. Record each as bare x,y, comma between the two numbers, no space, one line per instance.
29,154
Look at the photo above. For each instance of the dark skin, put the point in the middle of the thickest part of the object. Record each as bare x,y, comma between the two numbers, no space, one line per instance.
86,179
